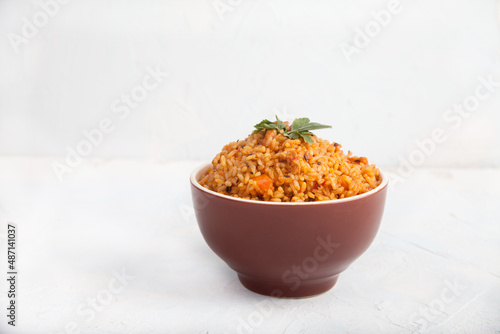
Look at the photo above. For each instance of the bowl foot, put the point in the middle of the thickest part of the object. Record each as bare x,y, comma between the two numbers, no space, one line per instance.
307,288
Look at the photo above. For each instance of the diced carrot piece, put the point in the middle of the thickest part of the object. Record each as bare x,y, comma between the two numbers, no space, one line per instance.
264,182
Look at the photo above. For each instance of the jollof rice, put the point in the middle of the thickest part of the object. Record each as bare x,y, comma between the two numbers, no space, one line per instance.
269,166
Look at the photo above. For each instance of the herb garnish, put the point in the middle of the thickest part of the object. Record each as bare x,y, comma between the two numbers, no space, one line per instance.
300,128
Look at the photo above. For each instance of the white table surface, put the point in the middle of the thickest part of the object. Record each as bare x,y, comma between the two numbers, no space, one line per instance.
434,266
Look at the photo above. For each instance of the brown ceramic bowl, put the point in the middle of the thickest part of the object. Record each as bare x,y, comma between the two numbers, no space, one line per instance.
287,249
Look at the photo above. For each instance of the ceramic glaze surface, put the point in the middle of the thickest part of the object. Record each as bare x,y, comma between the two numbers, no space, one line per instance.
287,249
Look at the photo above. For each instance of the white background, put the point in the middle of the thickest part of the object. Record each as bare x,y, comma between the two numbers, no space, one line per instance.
261,58
125,205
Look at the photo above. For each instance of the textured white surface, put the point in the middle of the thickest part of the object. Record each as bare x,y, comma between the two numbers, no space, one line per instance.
262,57
434,266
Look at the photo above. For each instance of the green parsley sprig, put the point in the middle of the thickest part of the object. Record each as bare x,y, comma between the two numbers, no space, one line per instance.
300,128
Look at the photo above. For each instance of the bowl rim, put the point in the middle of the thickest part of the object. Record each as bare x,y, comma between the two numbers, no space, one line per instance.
205,166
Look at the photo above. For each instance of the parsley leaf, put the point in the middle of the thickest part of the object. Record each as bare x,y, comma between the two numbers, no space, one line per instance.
303,124
266,124
300,128
281,125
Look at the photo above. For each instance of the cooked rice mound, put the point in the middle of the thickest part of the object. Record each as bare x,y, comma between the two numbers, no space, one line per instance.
268,166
